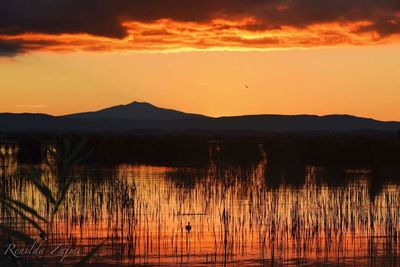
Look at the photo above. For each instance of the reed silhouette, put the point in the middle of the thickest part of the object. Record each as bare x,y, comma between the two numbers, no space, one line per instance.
61,159
253,201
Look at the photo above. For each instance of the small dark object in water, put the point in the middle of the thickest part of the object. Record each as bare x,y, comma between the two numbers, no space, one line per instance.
42,235
188,227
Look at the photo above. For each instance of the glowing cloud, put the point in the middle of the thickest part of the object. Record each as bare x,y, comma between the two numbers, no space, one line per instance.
159,25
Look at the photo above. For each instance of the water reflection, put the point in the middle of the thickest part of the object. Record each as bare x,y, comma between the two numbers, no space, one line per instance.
237,217
8,157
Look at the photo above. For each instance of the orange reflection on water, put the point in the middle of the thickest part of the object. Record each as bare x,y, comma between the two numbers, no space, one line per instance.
236,218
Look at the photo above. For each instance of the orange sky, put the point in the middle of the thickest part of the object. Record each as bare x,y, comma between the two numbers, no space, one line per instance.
360,80
296,57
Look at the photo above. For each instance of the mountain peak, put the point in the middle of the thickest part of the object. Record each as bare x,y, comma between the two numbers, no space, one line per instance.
136,110
140,103
143,115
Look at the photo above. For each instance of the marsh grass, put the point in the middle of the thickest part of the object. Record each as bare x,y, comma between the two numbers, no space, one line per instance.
61,159
256,204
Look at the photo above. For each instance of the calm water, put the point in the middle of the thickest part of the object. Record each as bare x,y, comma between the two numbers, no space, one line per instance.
237,218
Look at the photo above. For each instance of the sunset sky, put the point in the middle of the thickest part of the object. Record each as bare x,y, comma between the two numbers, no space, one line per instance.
214,57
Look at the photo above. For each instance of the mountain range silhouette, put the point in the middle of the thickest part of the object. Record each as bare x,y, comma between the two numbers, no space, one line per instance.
145,116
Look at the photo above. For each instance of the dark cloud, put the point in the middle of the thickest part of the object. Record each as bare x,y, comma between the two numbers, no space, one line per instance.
383,28
10,48
105,17
97,17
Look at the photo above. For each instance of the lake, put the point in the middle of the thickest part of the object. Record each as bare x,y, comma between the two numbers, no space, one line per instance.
238,217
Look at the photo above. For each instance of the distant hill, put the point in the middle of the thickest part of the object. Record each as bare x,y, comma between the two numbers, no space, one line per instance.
136,111
144,116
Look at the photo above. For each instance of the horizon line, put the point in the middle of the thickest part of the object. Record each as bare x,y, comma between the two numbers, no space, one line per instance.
201,114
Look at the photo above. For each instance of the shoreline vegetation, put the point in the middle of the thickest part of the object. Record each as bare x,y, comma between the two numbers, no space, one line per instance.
288,154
